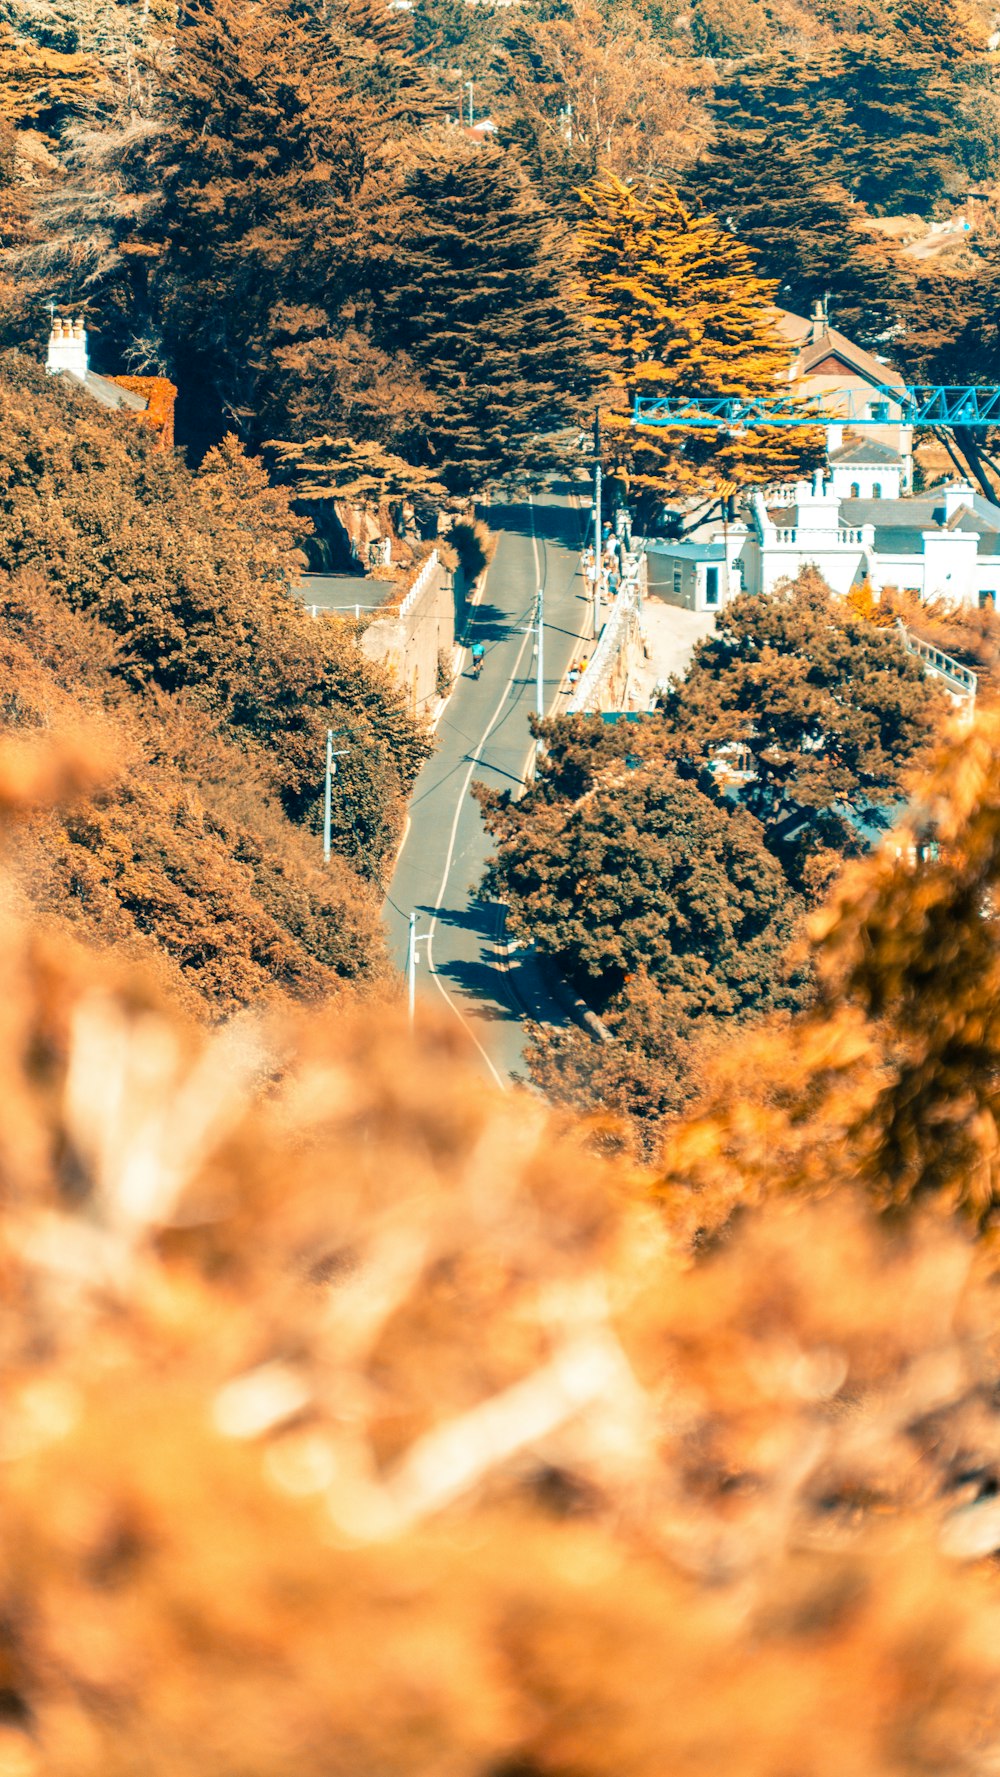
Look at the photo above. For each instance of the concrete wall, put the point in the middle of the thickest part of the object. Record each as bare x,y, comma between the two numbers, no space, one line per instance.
409,641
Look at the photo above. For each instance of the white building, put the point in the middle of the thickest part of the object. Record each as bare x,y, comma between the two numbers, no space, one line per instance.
857,520
941,544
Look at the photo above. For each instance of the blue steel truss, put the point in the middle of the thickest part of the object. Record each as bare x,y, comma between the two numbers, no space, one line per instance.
921,405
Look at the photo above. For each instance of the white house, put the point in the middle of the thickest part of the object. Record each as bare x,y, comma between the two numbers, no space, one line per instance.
851,383
941,544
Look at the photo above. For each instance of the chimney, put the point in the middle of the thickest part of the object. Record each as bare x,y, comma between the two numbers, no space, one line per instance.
819,322
957,495
67,348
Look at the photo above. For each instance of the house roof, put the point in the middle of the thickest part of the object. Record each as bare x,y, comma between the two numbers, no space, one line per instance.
812,352
861,453
110,394
923,512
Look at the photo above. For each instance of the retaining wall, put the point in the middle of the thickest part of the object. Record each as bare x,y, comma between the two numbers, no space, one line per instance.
409,640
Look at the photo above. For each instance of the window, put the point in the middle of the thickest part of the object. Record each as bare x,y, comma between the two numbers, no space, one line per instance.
855,491
677,577
876,490
987,598
711,586
879,410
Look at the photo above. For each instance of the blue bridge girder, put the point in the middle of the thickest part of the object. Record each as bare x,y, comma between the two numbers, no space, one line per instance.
930,404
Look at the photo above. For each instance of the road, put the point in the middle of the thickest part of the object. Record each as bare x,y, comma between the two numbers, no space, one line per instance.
484,736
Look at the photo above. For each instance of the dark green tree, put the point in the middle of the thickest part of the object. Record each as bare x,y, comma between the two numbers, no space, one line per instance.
644,870
192,576
829,707
476,293
806,232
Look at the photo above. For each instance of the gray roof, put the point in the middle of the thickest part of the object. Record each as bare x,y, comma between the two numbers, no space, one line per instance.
110,394
866,451
922,511
338,592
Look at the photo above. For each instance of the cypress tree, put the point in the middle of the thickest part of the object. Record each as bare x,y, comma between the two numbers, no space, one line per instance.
680,307
806,232
476,294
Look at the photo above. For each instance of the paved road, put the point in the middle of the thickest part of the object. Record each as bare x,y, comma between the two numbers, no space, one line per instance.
484,736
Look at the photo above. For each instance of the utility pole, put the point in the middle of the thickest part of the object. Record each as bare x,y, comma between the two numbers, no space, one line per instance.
469,84
598,549
411,966
411,969
540,648
331,771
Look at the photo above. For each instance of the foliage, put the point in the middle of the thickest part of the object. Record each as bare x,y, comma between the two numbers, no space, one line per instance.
192,574
473,545
829,708
181,856
472,1464
643,870
808,235
678,306
895,1073
471,255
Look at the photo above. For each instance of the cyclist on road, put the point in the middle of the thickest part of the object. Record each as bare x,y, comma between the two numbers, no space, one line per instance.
478,652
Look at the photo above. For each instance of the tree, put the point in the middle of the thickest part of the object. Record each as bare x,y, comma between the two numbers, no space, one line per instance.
475,291
649,1070
181,856
192,575
645,871
677,304
342,469
831,710
807,234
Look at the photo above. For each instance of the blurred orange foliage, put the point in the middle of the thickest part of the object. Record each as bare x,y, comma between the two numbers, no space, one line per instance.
359,1420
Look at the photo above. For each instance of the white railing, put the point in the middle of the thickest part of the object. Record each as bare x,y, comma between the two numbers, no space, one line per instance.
420,584
314,610
960,680
786,536
849,536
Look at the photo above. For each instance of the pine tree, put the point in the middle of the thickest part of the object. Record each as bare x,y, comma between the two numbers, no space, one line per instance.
325,468
476,293
807,233
678,304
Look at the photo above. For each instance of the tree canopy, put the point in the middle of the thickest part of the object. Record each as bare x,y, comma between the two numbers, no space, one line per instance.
679,308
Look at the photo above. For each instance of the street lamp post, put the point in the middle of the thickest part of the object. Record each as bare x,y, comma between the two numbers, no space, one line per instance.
540,651
331,772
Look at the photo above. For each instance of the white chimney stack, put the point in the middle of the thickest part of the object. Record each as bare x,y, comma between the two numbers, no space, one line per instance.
67,348
957,495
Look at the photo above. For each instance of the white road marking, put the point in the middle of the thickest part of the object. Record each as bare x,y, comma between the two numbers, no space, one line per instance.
459,809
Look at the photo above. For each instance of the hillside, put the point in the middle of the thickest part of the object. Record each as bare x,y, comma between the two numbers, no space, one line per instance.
150,609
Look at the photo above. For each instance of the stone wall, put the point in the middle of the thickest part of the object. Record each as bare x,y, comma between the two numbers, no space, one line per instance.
605,684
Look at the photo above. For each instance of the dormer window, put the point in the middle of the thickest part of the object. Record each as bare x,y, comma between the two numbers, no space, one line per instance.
855,491
876,490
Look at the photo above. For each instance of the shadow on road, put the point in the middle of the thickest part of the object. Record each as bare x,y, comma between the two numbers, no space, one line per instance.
554,524
481,982
487,623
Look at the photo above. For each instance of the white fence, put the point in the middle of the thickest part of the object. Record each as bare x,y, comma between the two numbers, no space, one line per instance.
959,680
420,584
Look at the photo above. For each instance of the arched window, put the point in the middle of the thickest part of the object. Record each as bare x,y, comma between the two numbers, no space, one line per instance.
877,490
855,491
